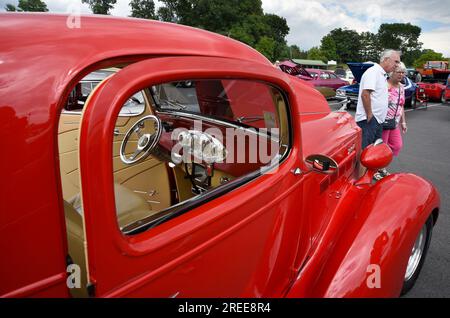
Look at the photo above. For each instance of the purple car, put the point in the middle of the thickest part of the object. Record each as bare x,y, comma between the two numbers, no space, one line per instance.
324,78
324,81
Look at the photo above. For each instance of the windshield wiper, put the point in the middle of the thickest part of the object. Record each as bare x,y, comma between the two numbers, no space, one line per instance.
174,104
249,119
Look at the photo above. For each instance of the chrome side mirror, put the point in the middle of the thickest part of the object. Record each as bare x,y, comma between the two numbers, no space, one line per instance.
322,164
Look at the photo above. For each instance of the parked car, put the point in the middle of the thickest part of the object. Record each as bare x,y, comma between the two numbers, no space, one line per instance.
243,185
325,82
345,75
435,88
426,72
322,78
413,75
350,92
447,90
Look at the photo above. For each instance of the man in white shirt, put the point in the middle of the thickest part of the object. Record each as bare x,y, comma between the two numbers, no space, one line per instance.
373,97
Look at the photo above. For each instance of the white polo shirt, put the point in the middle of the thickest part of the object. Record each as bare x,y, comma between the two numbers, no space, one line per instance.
375,79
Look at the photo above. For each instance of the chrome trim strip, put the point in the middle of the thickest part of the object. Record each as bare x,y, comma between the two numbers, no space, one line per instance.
74,112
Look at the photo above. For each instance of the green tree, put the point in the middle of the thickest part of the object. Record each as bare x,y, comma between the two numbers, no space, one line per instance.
28,6
266,46
252,28
328,48
278,29
10,7
403,37
177,11
370,47
315,53
100,6
243,20
428,55
214,15
144,9
347,44
297,53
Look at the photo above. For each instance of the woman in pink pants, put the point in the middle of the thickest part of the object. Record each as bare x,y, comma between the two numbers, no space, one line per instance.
393,137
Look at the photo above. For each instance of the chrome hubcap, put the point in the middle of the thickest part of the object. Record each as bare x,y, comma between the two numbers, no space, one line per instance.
416,253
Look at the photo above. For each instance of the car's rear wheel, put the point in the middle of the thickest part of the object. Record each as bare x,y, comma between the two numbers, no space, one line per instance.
443,97
417,256
413,102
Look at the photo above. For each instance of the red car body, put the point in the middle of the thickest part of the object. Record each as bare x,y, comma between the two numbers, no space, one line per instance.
295,233
447,89
435,89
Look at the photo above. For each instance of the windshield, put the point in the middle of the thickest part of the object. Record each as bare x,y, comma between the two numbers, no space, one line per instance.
242,102
435,65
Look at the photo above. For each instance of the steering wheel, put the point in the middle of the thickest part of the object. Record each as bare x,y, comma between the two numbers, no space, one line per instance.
148,131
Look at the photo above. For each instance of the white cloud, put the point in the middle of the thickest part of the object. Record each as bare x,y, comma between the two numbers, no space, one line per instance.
309,21
437,40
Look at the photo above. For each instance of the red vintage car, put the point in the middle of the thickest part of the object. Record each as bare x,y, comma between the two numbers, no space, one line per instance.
435,88
243,184
447,90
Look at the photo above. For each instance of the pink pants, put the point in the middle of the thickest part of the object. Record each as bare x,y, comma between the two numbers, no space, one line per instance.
393,138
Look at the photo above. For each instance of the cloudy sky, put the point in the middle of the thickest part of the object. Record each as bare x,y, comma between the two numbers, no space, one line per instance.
309,21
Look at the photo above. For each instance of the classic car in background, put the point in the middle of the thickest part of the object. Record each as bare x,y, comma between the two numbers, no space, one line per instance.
427,71
345,74
322,78
435,87
326,82
447,90
350,92
413,75
243,184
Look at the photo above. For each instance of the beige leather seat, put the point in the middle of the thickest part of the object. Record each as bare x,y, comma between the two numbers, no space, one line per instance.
130,207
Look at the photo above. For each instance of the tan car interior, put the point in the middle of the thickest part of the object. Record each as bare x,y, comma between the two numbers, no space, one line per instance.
137,196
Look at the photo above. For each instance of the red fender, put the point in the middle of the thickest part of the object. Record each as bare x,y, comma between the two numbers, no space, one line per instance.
378,229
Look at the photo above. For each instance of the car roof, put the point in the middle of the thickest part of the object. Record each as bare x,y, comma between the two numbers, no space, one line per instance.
49,53
146,36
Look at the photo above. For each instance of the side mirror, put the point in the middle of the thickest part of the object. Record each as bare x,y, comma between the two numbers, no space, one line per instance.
322,164
374,157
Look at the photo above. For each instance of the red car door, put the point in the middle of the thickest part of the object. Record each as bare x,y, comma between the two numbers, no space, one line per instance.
241,243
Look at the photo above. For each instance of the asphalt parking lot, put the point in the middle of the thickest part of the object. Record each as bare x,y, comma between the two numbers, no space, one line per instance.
426,152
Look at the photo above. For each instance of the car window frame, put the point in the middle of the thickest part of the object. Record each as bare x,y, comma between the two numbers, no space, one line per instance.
185,206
